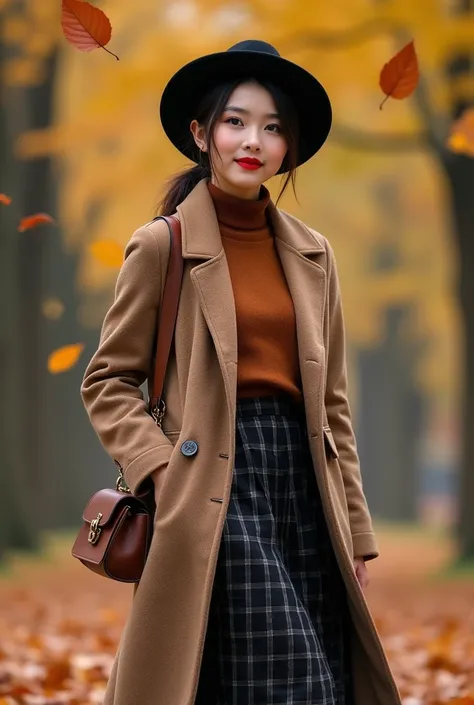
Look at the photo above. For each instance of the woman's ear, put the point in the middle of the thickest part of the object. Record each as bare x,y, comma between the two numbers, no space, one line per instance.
198,133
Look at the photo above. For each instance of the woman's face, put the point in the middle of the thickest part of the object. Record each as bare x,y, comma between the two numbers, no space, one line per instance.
249,147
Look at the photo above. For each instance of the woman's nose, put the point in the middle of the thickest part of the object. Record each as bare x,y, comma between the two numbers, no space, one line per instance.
253,145
252,141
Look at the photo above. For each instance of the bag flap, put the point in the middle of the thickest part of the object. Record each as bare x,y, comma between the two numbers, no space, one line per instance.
108,502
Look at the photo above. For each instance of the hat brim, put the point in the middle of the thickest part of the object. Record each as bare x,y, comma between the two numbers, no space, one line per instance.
186,88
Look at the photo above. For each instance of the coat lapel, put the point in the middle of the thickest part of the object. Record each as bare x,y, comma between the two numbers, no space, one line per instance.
300,252
201,240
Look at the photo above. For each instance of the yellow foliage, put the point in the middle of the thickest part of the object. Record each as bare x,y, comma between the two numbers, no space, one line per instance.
15,29
52,309
458,142
23,72
107,252
113,152
461,139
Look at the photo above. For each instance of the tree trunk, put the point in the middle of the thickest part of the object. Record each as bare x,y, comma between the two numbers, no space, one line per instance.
22,351
391,407
17,510
38,195
390,419
460,172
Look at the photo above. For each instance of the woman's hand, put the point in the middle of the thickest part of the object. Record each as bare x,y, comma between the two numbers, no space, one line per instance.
361,572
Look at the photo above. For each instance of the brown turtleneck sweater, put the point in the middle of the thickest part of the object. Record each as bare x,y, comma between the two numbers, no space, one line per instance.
266,328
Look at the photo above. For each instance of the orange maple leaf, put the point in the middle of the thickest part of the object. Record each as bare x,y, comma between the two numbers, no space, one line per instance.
85,26
6,200
32,221
399,77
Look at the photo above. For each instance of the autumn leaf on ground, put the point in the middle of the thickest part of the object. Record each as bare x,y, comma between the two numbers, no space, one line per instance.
400,76
107,252
32,221
6,200
64,358
85,26
461,139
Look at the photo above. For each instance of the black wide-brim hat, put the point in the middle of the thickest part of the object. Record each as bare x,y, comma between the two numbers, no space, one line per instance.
248,59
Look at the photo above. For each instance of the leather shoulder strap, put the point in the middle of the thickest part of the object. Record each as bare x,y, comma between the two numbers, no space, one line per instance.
169,309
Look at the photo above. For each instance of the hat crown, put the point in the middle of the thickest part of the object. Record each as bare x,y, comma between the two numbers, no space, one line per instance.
255,45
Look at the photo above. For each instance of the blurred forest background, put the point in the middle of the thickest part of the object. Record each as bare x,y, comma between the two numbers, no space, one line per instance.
80,140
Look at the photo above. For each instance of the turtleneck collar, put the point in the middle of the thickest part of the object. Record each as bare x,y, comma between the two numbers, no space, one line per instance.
240,214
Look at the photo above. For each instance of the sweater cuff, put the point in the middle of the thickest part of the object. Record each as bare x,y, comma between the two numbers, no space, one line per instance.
365,546
146,463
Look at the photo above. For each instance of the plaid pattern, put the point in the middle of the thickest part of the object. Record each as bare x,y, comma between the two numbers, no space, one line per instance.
278,620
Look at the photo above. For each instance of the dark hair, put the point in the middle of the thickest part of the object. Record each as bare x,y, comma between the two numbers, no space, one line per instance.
209,111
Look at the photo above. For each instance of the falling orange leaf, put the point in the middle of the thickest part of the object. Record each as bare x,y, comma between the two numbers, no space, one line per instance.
461,138
85,26
32,221
6,200
399,77
64,358
107,252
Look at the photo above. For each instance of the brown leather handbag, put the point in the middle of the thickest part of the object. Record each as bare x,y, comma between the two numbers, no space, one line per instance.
115,536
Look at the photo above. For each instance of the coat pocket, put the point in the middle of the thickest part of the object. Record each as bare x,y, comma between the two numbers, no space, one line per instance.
172,436
330,443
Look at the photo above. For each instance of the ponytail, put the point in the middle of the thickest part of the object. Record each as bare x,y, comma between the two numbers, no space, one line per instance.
181,185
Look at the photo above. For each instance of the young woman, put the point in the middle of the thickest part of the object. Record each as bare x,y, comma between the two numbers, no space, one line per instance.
253,589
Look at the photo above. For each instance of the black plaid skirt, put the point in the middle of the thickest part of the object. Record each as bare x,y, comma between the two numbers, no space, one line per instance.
278,623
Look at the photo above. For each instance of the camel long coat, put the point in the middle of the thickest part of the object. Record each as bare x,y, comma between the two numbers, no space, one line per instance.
159,656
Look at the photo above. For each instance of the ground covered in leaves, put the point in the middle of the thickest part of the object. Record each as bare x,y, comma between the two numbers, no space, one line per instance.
60,624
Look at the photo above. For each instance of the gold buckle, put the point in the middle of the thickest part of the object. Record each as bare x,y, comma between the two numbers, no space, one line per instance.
95,530
157,413
121,485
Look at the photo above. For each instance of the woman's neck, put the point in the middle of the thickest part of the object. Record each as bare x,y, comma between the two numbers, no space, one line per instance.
246,216
247,194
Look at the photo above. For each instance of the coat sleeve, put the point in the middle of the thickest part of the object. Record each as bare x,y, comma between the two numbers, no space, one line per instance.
111,386
340,421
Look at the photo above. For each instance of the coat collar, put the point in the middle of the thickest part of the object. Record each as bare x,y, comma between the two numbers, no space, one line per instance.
202,239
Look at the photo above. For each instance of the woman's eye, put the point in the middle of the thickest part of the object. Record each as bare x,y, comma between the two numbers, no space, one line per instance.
234,121
274,127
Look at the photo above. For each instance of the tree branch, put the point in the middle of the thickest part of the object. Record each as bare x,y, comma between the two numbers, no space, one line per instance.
434,135
328,39
373,142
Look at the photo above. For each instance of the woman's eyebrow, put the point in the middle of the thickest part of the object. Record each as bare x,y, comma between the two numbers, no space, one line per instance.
243,111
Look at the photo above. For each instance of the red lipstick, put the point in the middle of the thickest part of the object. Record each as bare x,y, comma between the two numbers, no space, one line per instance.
249,163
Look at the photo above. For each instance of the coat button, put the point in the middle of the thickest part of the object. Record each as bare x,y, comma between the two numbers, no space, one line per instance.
189,448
